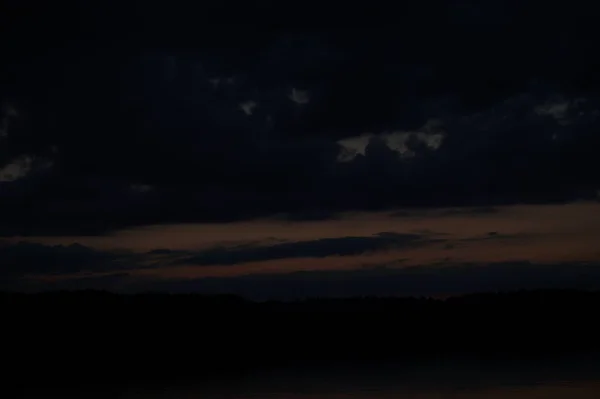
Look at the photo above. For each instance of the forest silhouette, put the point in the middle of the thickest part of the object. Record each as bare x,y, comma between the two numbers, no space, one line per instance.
90,335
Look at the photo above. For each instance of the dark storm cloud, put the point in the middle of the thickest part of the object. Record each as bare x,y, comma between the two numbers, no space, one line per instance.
343,246
119,114
79,267
22,259
494,235
446,279
477,211
413,281
308,215
490,236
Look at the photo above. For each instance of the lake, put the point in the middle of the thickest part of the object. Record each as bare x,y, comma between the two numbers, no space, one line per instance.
557,378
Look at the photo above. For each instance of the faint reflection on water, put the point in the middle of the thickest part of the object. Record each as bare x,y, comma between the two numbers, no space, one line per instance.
564,380
563,390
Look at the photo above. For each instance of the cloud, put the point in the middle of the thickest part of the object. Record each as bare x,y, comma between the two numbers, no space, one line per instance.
141,188
430,136
215,82
440,280
248,107
40,267
311,173
343,246
16,169
452,212
494,235
488,158
299,96
306,216
7,112
440,121
24,259
436,280
107,281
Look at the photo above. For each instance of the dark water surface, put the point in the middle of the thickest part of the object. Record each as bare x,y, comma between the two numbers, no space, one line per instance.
457,379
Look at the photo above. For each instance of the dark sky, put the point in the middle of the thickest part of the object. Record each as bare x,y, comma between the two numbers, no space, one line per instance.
215,120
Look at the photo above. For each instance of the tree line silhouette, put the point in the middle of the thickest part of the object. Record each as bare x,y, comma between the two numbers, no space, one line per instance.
85,335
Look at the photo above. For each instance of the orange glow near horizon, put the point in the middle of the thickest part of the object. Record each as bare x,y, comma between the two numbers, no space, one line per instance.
545,234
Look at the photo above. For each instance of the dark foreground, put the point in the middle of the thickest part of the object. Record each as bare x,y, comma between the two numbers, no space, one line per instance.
98,337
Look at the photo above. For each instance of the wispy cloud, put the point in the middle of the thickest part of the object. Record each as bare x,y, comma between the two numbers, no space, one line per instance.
248,107
431,135
298,96
7,112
